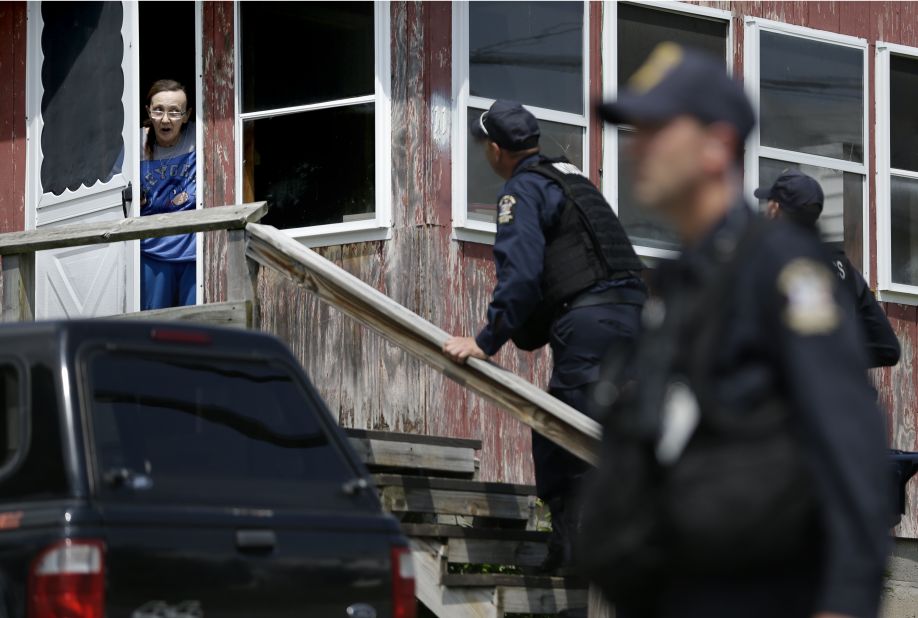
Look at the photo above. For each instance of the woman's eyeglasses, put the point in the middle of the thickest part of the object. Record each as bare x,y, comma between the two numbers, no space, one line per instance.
157,114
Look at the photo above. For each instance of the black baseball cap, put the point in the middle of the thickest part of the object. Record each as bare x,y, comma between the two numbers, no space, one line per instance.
509,125
794,191
677,81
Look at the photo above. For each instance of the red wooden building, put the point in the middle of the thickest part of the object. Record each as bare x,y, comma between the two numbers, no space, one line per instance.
351,120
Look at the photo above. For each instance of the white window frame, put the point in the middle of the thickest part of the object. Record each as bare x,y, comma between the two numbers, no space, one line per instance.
464,228
754,148
887,289
610,180
380,226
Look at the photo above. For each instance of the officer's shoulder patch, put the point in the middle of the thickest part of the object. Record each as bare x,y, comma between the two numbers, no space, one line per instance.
811,307
505,209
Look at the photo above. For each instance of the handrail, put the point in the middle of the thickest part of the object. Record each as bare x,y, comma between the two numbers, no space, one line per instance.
555,420
133,228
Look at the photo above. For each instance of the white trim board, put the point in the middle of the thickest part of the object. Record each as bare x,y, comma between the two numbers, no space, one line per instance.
754,148
464,228
888,289
380,226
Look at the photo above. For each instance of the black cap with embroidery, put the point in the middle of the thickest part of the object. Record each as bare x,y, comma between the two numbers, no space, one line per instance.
793,190
509,125
677,81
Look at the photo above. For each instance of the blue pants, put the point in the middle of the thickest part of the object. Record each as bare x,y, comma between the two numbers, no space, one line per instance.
166,284
580,340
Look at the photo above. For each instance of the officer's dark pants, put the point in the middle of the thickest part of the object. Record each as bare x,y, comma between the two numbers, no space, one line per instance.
580,340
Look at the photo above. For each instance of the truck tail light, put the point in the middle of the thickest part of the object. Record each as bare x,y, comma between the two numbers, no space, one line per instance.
404,604
68,579
180,335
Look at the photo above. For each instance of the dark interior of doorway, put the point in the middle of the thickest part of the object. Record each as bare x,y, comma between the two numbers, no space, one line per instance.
166,47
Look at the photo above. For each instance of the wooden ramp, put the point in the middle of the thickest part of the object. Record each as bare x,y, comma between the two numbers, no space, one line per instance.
476,545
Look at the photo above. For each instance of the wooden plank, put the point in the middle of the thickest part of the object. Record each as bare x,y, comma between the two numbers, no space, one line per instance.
557,421
496,551
241,280
225,217
13,115
234,314
451,502
413,438
519,600
399,480
18,297
512,581
463,532
426,457
218,122
446,602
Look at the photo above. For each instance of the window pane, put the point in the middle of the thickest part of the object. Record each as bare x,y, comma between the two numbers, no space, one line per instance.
42,474
903,124
295,53
81,103
841,220
641,29
484,185
812,97
644,227
531,52
904,232
313,168
212,430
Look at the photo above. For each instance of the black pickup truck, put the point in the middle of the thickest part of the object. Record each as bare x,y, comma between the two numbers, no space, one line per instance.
167,471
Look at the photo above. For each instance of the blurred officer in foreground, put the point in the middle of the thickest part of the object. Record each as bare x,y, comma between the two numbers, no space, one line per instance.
566,275
798,198
744,474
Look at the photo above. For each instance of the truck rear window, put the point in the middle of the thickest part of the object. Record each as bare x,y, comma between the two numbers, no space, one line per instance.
208,430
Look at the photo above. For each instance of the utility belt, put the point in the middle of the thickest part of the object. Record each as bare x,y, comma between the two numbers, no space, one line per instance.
534,333
612,296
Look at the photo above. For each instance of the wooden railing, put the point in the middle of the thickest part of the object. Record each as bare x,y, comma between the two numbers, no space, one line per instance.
18,254
251,245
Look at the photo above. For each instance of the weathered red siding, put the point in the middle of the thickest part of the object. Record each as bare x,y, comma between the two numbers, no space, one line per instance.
12,115
218,120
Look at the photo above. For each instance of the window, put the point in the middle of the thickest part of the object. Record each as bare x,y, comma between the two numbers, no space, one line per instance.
209,430
314,117
33,466
897,177
638,29
809,87
531,52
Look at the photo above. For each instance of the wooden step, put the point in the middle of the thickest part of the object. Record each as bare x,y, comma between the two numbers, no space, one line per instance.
493,551
517,600
381,450
411,494
463,532
493,580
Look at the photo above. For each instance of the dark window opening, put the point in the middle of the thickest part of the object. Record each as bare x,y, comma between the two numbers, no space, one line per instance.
313,166
166,47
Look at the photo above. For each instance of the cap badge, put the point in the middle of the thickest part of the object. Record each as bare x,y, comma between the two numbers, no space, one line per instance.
663,58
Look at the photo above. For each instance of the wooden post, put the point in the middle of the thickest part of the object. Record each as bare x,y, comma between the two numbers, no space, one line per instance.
17,287
238,282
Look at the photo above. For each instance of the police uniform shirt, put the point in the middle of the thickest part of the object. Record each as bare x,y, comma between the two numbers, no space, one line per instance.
882,344
791,329
529,203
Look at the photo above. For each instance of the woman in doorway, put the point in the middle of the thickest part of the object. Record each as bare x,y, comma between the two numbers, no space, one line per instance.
168,184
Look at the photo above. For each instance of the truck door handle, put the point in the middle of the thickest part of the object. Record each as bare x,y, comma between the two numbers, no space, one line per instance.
255,540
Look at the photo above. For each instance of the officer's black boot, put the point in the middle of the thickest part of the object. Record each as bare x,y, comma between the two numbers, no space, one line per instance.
558,543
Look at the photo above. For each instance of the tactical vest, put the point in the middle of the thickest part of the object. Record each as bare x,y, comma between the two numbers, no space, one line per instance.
588,244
